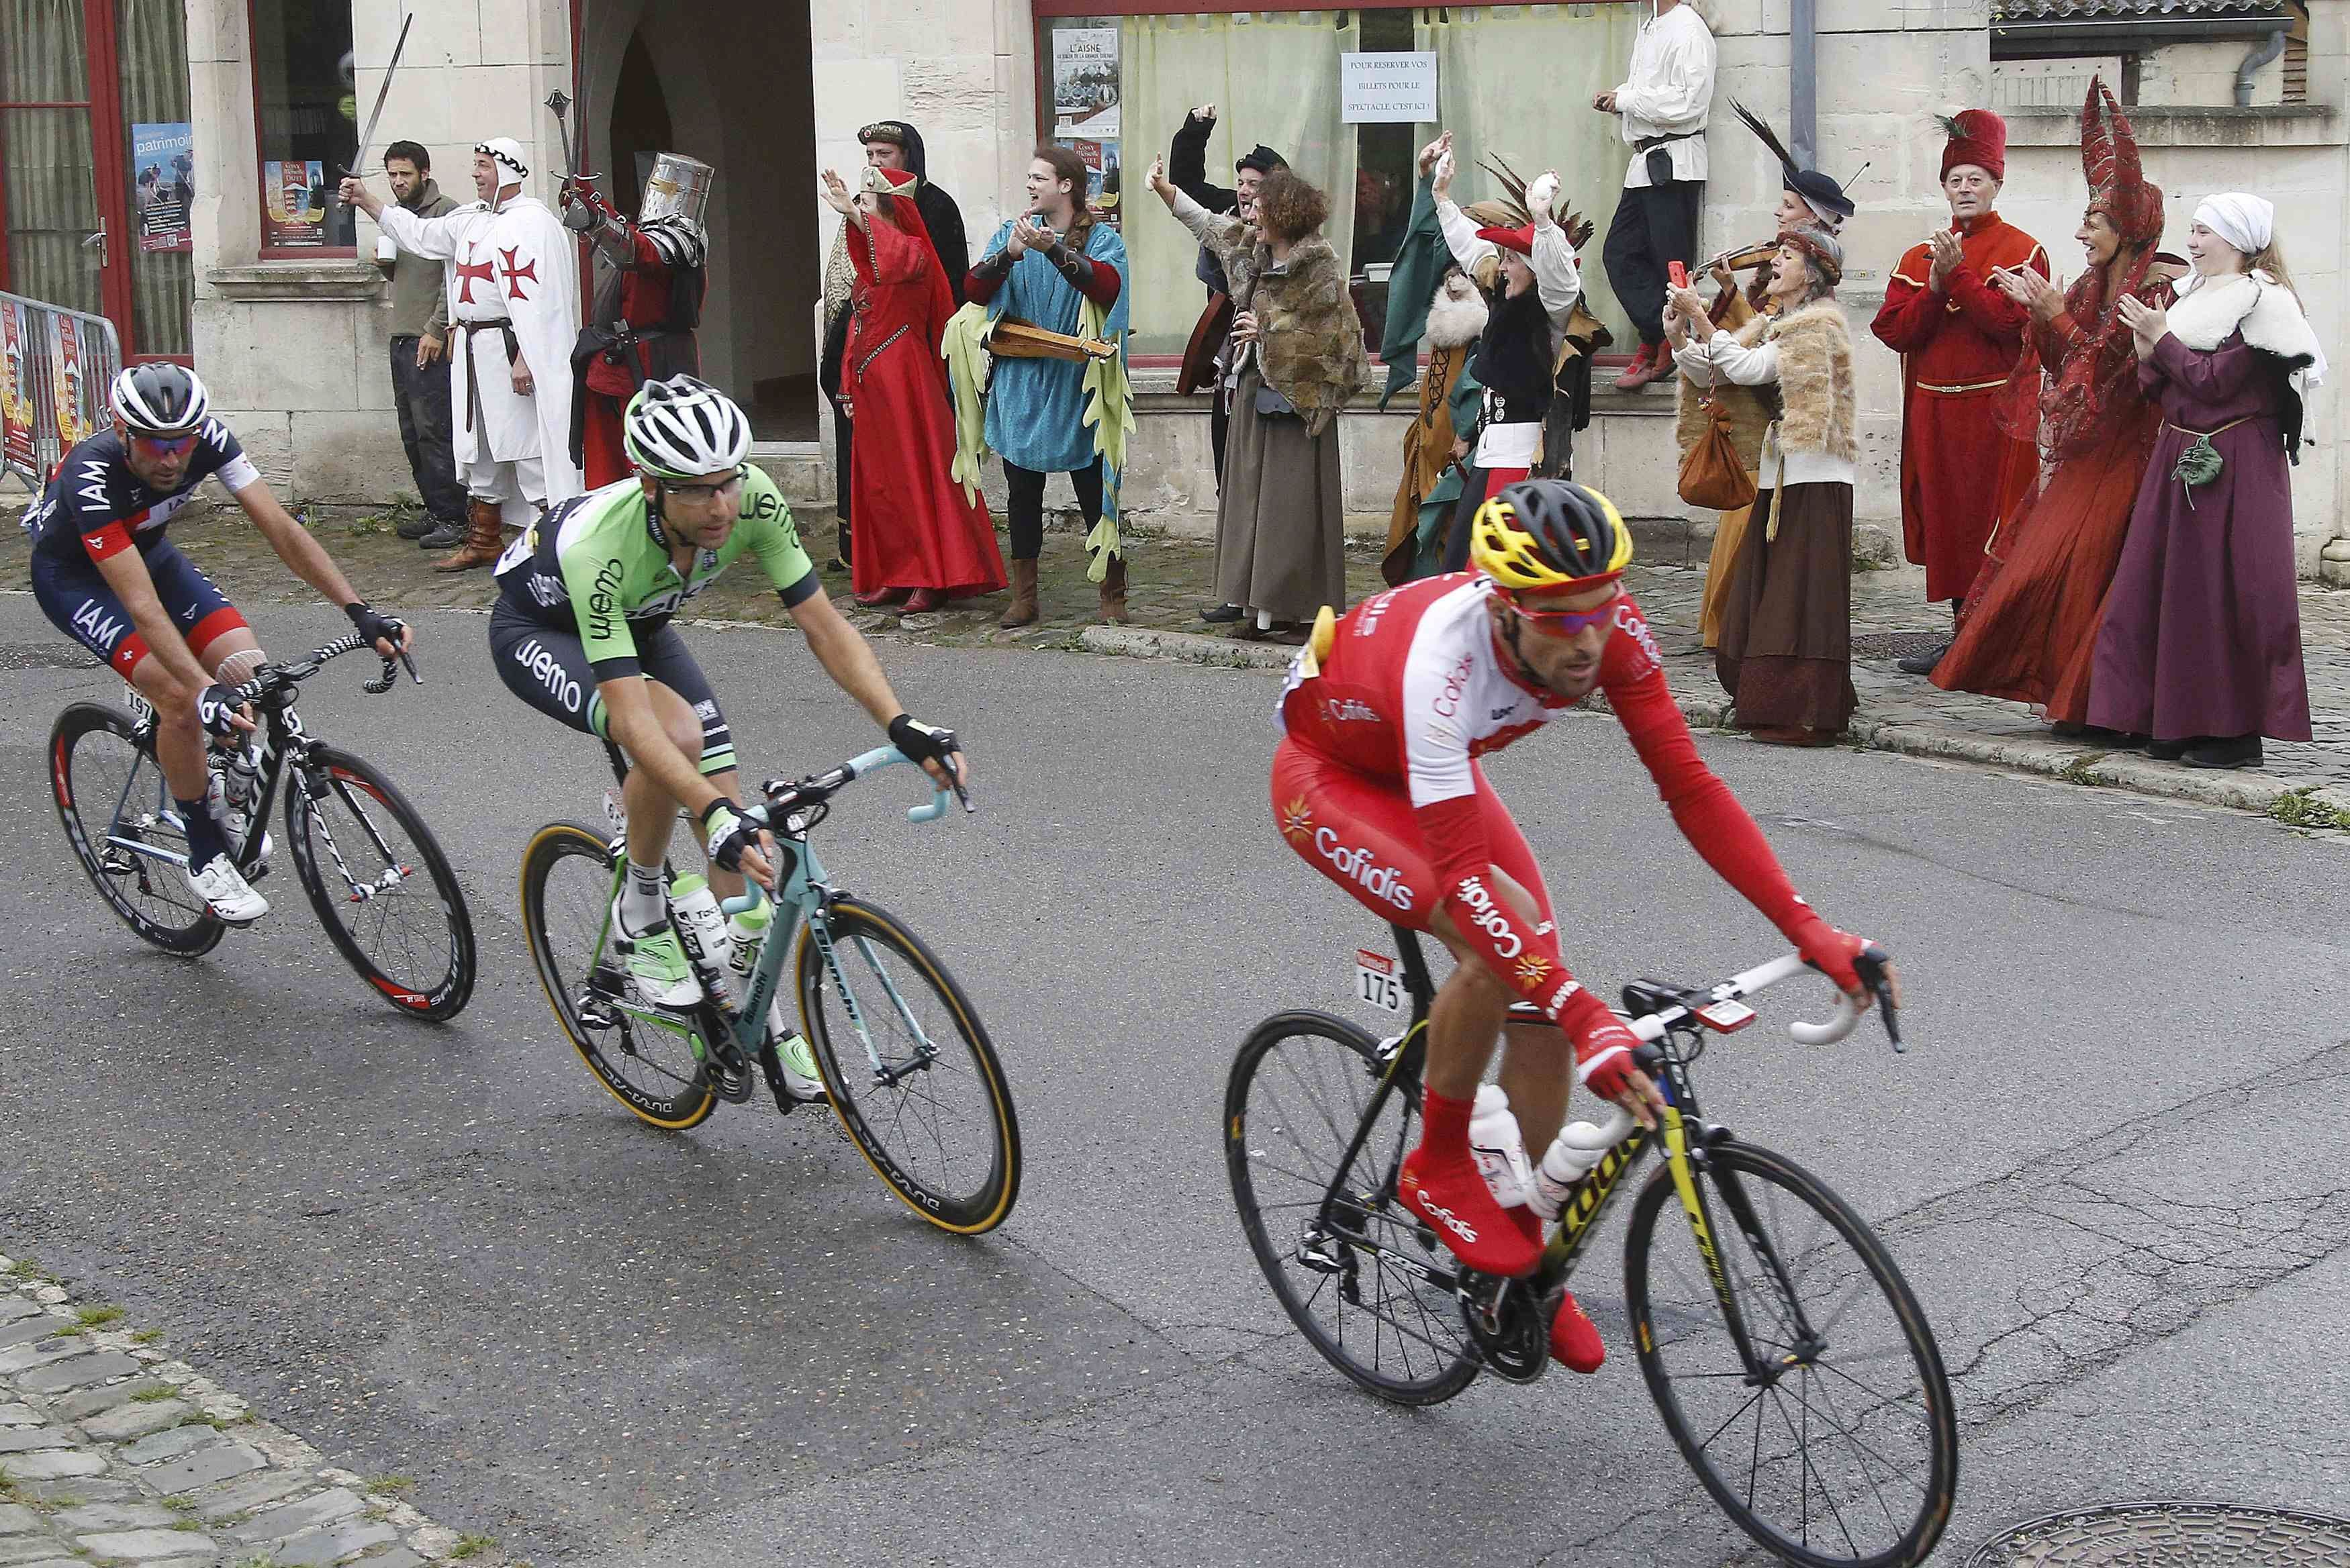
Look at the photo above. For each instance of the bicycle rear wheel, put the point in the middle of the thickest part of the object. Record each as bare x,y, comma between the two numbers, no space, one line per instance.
909,1068
96,766
1371,1288
566,889
1841,1448
380,885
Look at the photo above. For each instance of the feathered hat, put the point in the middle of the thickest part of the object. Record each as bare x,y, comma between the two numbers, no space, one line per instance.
1821,194
2117,185
1513,212
1978,137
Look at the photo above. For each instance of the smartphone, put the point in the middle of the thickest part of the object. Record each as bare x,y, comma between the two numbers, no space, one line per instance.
1677,273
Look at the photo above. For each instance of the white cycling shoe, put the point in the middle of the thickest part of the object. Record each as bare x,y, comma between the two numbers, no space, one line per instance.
231,897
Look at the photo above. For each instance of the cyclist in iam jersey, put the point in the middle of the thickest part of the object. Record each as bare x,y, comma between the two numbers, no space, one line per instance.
581,632
1376,785
106,575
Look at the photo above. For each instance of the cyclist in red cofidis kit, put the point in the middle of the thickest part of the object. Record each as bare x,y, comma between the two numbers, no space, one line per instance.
1376,785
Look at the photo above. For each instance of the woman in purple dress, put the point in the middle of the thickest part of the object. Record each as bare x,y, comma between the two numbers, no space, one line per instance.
2201,643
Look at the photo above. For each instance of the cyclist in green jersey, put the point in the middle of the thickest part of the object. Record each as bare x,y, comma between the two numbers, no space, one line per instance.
581,632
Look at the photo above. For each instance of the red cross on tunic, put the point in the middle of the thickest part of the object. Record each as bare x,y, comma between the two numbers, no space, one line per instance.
516,271
468,273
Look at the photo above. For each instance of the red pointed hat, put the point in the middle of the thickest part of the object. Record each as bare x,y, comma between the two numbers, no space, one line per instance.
2117,185
1520,239
1978,137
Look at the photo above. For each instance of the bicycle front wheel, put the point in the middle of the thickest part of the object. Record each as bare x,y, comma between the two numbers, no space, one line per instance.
1367,1283
120,820
909,1068
648,1066
380,885
1837,1446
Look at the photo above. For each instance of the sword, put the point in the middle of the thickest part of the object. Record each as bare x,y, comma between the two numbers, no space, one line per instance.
583,212
366,136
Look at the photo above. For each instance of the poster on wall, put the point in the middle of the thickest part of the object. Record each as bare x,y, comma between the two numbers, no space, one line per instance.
296,194
16,387
1103,178
1392,87
71,361
163,185
1084,83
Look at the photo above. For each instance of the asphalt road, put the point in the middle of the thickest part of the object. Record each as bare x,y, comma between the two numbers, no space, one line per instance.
444,1252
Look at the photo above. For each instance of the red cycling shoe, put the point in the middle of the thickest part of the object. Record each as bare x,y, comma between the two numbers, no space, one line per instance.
1574,1341
1451,1196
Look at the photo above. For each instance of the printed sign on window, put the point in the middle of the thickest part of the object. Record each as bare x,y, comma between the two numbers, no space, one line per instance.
1392,87
71,363
16,387
163,185
295,194
1085,82
1102,177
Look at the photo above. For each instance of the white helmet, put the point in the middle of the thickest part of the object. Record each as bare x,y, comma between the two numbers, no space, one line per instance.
684,428
160,397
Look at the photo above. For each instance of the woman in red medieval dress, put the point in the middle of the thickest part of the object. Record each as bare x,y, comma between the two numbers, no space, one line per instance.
930,540
2028,631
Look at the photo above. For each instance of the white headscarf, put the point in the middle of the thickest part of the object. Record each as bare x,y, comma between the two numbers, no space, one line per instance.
2246,222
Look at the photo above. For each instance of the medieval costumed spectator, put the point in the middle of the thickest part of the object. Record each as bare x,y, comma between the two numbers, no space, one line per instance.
1058,267
894,145
926,539
1661,108
649,279
1786,636
1429,298
1281,519
2200,647
1807,199
1960,339
2029,629
1207,355
420,354
513,304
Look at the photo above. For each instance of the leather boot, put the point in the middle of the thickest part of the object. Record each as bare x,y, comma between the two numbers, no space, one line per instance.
482,543
1646,367
1113,592
1022,609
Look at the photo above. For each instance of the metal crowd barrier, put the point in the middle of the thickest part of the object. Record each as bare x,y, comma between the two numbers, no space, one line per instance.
56,366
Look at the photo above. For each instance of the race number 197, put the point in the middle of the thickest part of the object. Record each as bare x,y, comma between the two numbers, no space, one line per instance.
1376,983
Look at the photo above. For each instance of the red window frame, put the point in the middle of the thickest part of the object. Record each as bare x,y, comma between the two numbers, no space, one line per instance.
104,107
260,187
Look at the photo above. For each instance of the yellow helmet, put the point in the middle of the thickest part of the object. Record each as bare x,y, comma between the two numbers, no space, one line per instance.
1549,534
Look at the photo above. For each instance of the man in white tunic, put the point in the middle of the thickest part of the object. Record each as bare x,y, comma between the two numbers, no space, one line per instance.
513,308
1661,110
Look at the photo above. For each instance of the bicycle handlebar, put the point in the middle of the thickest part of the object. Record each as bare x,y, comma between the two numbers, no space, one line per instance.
271,676
1871,963
824,784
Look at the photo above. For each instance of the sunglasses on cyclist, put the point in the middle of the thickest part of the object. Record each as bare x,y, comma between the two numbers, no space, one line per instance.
710,490
164,446
1568,623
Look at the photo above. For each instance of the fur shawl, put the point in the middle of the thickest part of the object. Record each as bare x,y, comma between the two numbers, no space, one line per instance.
1309,339
1815,389
2263,311
1750,410
1452,323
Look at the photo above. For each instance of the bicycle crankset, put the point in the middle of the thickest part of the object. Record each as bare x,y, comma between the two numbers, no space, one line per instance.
1506,1324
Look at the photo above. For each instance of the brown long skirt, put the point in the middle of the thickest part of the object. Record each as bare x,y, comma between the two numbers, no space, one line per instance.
1281,524
1785,657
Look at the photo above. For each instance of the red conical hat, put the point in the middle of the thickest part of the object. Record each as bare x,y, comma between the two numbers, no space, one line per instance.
2117,185
1978,137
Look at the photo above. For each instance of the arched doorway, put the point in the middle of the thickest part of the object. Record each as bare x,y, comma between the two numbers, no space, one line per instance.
730,82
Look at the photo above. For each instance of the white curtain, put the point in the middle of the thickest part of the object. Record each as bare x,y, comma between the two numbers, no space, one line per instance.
51,198
152,40
1487,57
1273,78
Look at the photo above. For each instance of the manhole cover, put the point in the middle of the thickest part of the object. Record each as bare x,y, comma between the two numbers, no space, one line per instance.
1896,644
2170,1535
44,656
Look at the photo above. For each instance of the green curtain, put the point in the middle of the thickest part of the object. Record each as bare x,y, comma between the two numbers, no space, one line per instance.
153,41
45,155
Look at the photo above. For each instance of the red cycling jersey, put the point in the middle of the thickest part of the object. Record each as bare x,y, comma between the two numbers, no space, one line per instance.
1413,690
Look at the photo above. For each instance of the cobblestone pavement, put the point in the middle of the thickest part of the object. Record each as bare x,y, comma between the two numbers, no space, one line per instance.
112,1452
1172,579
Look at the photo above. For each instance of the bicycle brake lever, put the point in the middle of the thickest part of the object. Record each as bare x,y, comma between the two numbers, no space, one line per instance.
410,665
1871,963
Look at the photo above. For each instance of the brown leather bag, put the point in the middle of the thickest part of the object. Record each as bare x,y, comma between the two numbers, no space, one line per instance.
1208,335
1713,475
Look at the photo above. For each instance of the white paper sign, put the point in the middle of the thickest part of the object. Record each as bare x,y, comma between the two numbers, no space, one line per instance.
1393,87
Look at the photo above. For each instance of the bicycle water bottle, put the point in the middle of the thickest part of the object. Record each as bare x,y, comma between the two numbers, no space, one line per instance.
239,775
746,933
702,932
1499,1147
1578,1148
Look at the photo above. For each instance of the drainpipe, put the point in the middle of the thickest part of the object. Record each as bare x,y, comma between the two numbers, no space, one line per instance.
2269,49
1804,77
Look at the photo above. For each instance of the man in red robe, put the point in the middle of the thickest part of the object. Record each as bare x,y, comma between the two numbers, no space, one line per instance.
650,280
1958,339
923,538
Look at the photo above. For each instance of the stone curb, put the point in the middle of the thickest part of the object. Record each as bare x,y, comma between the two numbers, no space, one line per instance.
112,1452
1895,733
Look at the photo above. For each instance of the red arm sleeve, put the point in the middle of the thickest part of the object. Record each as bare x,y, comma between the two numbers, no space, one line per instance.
1102,287
1993,314
1454,832
1910,315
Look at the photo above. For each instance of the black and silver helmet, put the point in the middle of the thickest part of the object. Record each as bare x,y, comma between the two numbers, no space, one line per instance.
160,398
684,428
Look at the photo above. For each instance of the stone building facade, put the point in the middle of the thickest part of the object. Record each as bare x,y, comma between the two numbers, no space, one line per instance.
771,91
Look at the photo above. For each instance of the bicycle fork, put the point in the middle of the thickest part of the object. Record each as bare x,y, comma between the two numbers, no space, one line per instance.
1684,1164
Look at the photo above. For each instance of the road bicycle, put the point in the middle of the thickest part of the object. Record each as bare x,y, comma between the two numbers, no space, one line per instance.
905,1064
1791,1363
374,873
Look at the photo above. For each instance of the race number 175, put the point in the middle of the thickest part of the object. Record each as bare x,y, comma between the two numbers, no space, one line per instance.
1376,983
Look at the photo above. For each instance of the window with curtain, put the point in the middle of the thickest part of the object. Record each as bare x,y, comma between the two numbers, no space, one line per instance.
151,47
46,162
1513,80
307,126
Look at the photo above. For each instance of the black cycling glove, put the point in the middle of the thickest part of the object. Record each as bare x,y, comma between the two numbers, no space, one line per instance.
729,832
216,707
374,626
922,743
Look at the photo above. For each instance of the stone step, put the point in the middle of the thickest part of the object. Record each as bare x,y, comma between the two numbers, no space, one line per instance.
799,469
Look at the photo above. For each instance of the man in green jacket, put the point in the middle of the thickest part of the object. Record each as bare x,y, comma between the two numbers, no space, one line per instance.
419,361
